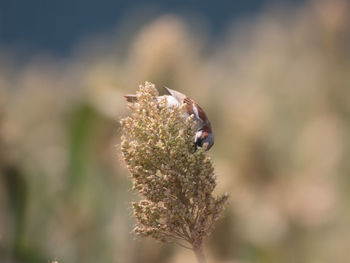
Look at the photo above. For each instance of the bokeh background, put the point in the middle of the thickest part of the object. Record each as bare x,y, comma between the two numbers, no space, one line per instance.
273,76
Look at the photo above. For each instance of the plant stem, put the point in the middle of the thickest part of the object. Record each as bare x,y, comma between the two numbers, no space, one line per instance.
198,251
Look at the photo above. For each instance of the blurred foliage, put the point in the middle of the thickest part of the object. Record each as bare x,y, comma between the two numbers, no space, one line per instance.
276,89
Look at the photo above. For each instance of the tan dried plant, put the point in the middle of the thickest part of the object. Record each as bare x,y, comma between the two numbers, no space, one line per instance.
175,182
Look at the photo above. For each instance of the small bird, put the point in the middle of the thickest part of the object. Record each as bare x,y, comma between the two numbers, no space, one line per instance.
204,134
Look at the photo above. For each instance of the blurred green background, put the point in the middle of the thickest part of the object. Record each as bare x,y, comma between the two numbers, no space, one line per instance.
276,87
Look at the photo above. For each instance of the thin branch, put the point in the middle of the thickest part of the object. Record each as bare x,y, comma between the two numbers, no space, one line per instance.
181,245
184,230
197,216
183,236
174,236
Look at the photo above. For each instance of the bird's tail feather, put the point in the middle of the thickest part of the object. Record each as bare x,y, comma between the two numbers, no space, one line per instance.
130,98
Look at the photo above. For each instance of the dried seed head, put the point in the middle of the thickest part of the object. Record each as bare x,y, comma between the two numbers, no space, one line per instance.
175,182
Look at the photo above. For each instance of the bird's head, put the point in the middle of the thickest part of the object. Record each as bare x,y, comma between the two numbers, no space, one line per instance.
204,139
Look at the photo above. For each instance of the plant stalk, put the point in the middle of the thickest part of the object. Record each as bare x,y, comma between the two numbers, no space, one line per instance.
198,251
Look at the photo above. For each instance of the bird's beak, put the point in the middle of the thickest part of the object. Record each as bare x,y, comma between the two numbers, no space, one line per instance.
195,148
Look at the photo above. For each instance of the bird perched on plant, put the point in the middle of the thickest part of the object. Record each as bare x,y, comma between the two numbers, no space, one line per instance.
204,134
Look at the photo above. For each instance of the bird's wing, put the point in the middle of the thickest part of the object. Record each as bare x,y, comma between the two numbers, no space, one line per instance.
193,108
177,95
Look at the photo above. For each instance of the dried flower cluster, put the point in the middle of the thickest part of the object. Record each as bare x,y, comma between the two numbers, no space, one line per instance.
176,182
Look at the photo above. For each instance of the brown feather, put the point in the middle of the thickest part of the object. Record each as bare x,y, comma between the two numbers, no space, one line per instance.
206,129
130,98
201,113
189,107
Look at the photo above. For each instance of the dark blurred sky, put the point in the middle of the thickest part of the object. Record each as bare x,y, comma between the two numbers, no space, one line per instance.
57,25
